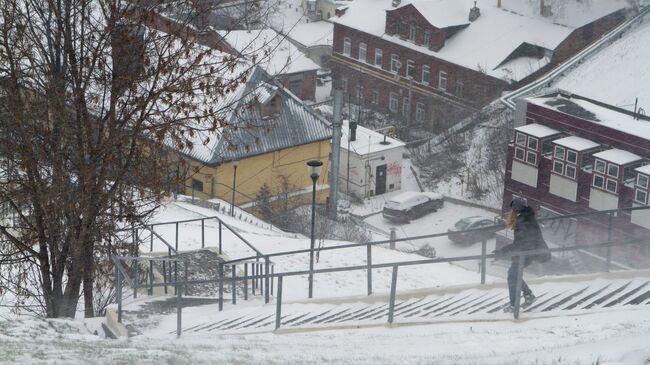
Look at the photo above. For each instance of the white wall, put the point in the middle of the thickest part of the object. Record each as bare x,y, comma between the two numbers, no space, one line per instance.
362,170
563,187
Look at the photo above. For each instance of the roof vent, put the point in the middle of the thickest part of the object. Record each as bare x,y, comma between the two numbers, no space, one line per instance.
384,142
474,13
396,3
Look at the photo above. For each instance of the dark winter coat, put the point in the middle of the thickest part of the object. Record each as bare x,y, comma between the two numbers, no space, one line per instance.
528,236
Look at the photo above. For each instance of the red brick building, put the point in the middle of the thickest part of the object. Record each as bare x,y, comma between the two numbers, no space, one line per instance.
436,61
572,155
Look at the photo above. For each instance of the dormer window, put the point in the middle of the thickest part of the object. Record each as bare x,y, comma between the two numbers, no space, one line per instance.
412,32
271,107
526,151
398,28
427,37
347,46
565,162
641,189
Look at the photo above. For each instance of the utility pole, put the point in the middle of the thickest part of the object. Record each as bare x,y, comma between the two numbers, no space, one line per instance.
336,152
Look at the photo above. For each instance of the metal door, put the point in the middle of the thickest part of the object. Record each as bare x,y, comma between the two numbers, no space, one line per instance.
380,180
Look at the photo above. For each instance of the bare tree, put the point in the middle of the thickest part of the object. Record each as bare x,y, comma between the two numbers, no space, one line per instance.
90,102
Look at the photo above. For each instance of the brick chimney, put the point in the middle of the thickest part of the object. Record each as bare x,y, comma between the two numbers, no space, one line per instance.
396,3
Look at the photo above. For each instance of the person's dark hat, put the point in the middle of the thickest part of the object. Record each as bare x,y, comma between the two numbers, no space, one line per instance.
518,203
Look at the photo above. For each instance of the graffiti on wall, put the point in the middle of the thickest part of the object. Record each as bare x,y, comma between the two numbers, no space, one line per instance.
395,169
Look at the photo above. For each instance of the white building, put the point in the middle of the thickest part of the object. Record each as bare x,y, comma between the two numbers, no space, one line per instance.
370,164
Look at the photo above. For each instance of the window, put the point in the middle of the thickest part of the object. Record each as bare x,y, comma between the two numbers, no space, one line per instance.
344,83
410,69
641,196
571,156
611,186
426,74
521,139
419,112
427,37
398,28
559,153
375,97
412,31
642,181
558,167
612,170
599,181
359,93
532,143
599,166
392,102
197,185
363,50
531,158
347,46
442,80
459,88
405,106
395,64
519,153
379,57
570,171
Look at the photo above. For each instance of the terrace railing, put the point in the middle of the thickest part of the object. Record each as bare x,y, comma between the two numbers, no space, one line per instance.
264,275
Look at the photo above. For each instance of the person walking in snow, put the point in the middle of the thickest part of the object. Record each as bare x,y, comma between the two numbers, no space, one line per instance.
527,237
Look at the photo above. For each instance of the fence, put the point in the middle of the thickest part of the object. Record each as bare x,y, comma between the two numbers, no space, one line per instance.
264,276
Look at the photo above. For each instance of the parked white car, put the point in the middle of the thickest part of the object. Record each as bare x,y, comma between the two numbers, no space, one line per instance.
412,205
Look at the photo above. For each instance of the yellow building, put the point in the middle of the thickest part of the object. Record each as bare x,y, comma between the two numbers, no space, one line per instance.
268,139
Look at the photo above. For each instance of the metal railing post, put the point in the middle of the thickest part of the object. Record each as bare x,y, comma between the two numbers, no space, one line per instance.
150,277
151,240
393,237
245,281
234,284
520,279
272,271
186,264
369,264
220,237
164,270
267,293
608,261
278,304
221,286
483,260
176,237
393,289
179,310
135,279
175,276
202,233
254,281
118,284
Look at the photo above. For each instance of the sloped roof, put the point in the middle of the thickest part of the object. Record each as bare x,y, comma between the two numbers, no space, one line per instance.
537,130
576,143
272,50
440,13
619,157
247,133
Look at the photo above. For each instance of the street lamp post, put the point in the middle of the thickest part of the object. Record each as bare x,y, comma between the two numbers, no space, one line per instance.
314,172
234,180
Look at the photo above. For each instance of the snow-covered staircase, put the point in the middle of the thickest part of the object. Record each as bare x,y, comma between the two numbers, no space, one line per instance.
555,297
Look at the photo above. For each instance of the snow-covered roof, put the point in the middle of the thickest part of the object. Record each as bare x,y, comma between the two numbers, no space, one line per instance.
440,13
271,50
587,110
626,77
619,157
537,130
313,33
644,169
488,41
576,143
367,141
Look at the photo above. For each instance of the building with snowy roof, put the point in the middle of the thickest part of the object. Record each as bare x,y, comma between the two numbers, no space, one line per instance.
572,154
370,163
436,61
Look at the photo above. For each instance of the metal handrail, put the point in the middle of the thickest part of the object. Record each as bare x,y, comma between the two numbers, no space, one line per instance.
414,238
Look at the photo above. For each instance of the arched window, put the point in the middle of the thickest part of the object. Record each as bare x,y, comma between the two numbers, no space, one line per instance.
347,46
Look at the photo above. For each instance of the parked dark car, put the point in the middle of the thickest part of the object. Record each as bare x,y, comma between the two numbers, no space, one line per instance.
412,205
458,235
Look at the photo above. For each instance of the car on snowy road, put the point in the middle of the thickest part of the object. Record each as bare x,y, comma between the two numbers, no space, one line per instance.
468,230
411,205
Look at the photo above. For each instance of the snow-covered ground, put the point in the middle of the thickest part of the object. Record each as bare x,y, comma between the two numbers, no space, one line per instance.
608,338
